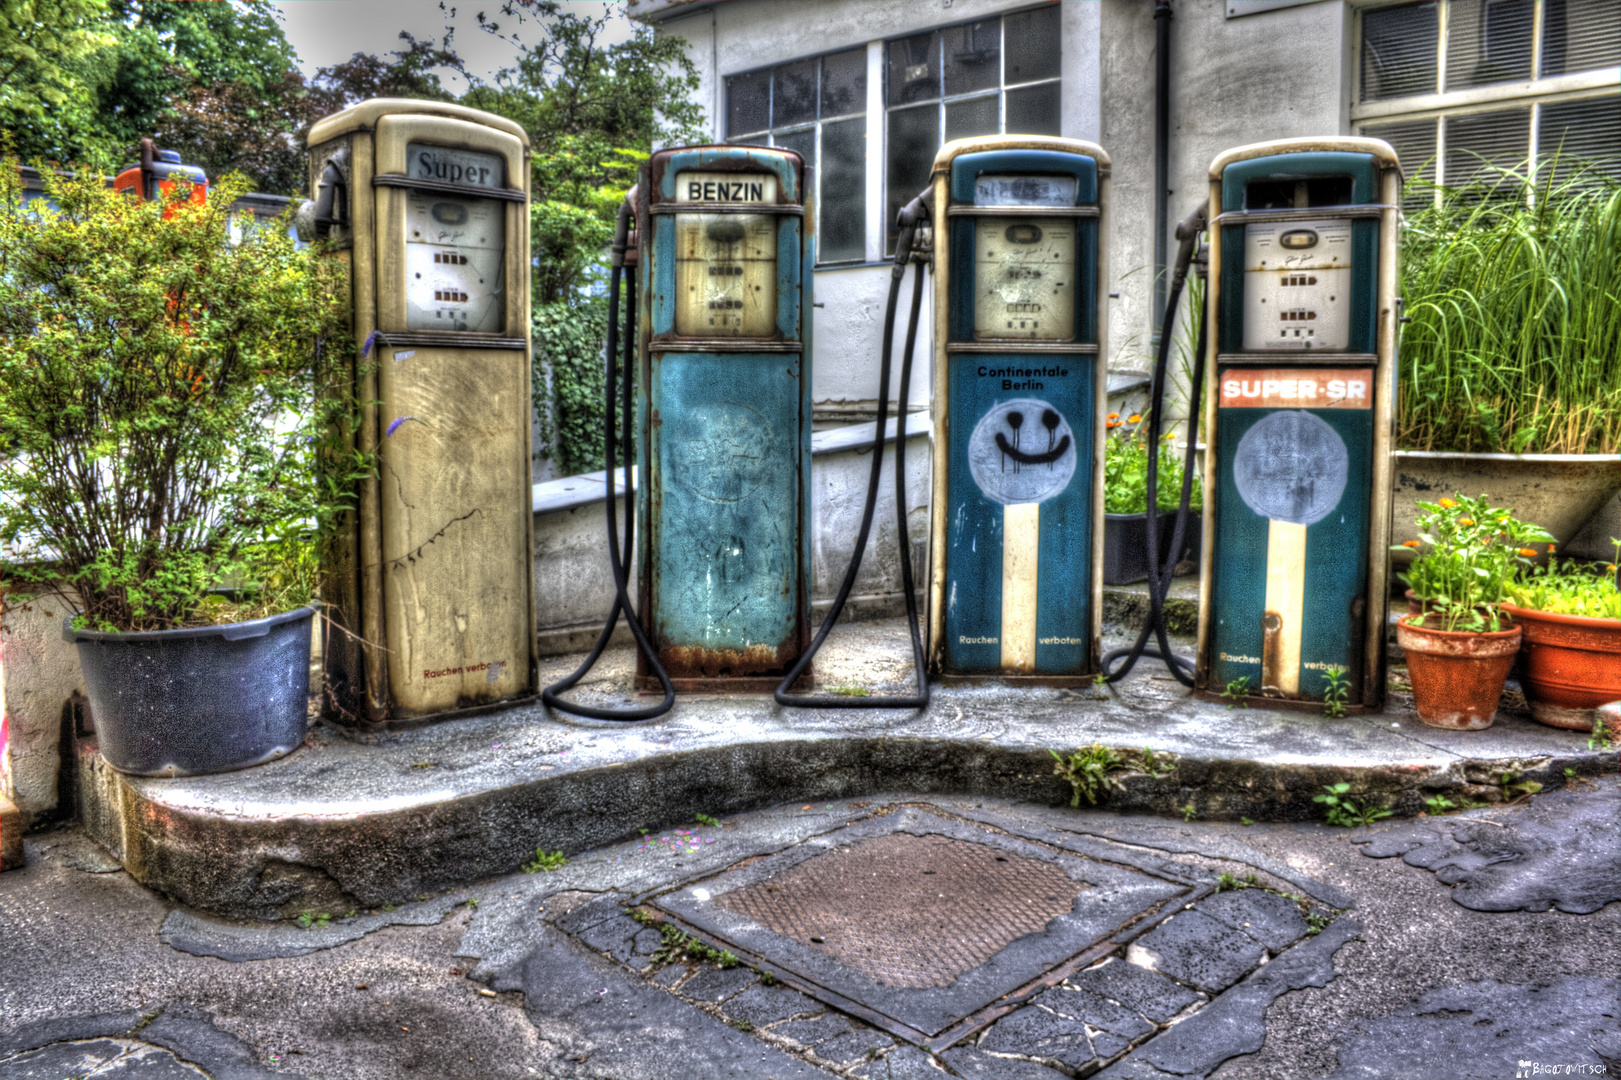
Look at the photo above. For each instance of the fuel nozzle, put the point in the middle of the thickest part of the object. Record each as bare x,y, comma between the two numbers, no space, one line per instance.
1192,251
915,215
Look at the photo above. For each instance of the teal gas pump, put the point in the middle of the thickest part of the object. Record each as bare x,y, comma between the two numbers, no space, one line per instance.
1019,393
1298,423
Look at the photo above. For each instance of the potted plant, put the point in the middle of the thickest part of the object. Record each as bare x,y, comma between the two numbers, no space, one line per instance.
161,440
1571,658
1511,348
1125,501
1461,647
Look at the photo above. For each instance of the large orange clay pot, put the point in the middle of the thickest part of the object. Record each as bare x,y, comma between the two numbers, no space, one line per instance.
1457,675
1571,665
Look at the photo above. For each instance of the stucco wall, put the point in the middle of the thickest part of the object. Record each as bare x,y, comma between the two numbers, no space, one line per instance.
41,676
848,336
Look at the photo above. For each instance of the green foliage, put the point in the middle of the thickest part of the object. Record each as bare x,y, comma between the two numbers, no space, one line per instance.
1229,883
1246,821
1092,771
45,46
1438,804
1317,922
705,819
1237,693
1125,471
1475,550
678,946
175,405
568,384
313,921
1345,811
1514,338
1337,690
1599,738
1188,812
767,978
1511,786
545,862
1570,588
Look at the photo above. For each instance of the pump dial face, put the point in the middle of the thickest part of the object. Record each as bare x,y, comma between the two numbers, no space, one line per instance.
1024,278
726,275
455,262
1297,286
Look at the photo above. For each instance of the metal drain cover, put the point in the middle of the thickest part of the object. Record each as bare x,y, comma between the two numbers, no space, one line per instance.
910,910
917,919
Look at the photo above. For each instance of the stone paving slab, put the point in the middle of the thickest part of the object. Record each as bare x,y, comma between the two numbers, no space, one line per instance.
357,821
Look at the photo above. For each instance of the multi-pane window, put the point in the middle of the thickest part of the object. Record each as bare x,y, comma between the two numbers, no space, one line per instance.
1463,87
819,108
983,78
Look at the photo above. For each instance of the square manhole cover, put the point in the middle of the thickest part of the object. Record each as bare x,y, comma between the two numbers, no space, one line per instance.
916,918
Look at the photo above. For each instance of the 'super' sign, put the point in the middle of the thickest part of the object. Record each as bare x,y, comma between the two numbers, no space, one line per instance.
463,167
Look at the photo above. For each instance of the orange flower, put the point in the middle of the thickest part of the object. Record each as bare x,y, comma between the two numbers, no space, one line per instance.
1466,521
1113,416
1410,543
1448,503
1134,418
1550,549
1529,553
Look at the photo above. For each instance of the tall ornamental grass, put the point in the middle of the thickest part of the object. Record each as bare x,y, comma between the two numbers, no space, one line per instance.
1513,290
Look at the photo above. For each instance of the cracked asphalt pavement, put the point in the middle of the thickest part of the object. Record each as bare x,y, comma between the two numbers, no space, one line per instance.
1471,945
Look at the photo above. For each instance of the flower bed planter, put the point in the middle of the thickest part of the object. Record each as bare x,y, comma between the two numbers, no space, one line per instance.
1125,544
199,700
1570,666
1457,676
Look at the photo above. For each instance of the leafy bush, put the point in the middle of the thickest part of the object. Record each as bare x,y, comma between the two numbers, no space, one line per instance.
1570,589
1125,471
164,425
1475,552
1514,343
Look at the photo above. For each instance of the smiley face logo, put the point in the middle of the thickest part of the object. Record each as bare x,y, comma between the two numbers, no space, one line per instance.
1022,451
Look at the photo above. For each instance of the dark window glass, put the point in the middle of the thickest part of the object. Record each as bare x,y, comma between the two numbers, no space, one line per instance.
976,116
748,103
802,141
1488,41
1032,41
1399,51
914,69
793,99
1584,134
842,212
1414,143
1033,110
973,56
1480,145
914,136
844,83
1580,35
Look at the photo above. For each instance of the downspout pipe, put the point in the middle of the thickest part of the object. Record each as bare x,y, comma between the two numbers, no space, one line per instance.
1162,150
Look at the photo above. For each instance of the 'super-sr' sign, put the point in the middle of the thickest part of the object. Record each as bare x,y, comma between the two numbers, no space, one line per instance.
1297,388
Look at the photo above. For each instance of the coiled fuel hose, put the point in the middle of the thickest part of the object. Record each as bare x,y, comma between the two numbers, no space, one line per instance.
1159,574
913,214
618,558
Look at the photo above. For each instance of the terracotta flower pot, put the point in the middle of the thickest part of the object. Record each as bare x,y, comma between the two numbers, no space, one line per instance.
1571,665
1457,675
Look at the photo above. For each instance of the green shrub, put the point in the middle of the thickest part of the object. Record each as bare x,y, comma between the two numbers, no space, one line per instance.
175,414
1125,471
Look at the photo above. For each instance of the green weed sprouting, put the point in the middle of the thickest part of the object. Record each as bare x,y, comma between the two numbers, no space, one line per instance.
1344,811
704,819
1229,883
1237,694
1095,771
1511,786
1337,690
1188,812
545,862
311,921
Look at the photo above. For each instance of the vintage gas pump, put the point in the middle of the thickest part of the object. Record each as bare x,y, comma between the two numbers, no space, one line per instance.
155,174
1302,302
1019,382
727,242
432,584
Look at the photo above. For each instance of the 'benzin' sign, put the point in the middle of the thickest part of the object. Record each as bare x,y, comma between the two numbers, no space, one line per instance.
446,166
724,187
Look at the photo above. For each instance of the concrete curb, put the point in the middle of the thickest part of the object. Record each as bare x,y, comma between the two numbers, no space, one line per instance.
341,825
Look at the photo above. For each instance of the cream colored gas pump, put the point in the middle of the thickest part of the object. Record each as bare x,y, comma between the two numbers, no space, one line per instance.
432,586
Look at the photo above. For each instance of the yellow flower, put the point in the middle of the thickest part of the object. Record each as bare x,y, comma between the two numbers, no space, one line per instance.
1448,503
1466,521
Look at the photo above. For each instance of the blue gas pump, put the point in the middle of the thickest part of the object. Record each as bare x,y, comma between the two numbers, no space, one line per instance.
1298,422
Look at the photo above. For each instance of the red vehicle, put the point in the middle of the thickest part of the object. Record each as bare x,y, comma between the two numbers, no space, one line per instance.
156,174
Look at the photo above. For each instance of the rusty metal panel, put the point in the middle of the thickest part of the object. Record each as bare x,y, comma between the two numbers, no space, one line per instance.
910,910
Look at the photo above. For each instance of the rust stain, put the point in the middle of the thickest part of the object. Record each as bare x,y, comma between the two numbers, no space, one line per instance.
688,661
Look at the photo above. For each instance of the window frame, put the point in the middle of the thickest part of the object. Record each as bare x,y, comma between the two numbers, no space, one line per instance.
813,125
1440,104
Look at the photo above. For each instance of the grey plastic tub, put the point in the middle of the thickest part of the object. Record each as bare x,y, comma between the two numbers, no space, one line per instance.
201,700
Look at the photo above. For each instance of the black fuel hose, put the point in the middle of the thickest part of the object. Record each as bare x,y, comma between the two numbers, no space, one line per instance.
1160,574
909,218
618,559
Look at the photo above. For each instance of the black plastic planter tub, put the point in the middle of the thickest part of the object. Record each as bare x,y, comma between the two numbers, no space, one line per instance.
201,700
1125,544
